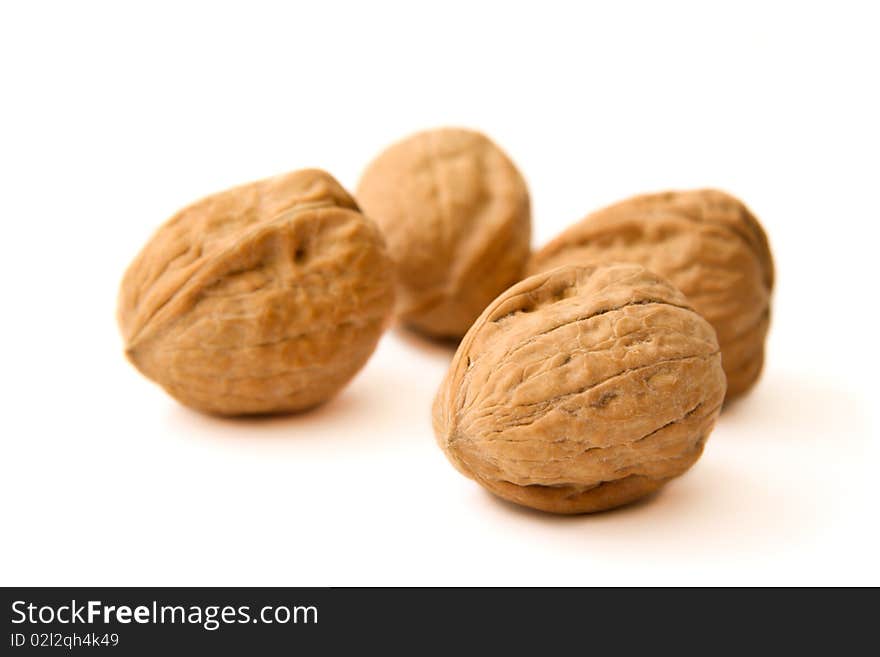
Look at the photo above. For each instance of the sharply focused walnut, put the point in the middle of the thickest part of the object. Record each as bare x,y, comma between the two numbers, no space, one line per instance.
455,213
707,244
581,389
263,298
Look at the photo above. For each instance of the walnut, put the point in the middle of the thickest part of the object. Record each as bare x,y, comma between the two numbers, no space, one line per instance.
263,298
707,244
455,213
581,389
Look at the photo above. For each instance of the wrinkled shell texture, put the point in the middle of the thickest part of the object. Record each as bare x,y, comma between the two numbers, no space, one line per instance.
707,243
455,213
581,389
264,298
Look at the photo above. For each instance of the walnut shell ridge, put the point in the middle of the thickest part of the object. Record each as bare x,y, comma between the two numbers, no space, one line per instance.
705,242
264,298
456,215
581,389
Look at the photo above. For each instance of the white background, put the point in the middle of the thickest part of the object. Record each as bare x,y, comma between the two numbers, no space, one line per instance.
114,115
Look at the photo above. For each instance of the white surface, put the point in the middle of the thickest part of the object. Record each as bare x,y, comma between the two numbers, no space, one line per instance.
114,117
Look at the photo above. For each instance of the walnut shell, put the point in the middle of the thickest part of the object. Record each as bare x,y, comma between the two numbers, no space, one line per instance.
264,298
707,243
455,212
581,389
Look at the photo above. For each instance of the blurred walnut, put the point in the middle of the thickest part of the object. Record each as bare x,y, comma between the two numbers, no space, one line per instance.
707,244
581,389
455,213
263,298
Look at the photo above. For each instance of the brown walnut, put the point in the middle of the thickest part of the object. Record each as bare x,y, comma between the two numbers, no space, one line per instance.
264,298
455,212
581,389
707,243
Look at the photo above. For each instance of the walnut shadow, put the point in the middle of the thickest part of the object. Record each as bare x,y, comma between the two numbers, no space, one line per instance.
729,503
389,404
438,348
555,518
276,426
786,408
723,511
